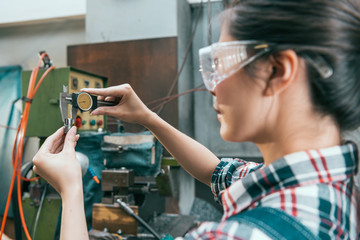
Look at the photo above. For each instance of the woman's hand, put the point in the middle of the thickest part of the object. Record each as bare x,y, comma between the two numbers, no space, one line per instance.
129,108
56,161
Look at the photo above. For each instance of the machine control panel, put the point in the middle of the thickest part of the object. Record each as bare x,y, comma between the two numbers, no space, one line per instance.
84,121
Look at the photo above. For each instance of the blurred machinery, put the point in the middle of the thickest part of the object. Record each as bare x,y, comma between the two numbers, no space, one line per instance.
129,196
45,117
134,206
115,184
45,105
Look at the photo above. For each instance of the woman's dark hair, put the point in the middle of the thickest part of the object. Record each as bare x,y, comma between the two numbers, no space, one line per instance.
326,28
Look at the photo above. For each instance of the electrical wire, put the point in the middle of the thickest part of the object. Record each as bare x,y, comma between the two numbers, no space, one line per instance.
175,95
166,100
39,210
129,211
7,127
185,57
19,146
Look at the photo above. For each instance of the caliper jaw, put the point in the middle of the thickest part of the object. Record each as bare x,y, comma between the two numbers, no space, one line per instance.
67,116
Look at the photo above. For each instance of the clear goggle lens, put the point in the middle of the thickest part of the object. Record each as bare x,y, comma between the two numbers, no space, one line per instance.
220,60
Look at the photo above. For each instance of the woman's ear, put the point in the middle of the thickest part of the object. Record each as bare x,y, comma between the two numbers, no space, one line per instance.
284,66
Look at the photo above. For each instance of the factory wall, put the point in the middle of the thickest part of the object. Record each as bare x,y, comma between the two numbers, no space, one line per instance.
20,44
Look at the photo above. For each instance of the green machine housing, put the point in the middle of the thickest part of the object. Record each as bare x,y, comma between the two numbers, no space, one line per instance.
45,117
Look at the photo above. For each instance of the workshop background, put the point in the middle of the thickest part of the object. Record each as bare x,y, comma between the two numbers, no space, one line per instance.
153,45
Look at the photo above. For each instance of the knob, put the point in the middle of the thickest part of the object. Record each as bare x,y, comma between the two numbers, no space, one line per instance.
78,122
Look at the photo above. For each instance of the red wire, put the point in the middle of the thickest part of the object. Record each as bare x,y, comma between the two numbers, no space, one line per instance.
168,99
19,147
8,127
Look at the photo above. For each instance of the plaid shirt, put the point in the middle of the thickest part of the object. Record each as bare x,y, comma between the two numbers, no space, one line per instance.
315,186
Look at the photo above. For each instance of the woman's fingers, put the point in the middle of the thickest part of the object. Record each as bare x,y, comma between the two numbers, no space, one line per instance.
111,99
60,147
109,111
129,106
115,91
70,139
53,141
100,98
35,169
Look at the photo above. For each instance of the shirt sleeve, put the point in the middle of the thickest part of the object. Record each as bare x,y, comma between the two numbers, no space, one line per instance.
228,171
226,230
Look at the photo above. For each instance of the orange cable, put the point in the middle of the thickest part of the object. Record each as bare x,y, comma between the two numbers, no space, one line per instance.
15,164
15,142
29,179
11,185
41,80
17,158
22,137
7,204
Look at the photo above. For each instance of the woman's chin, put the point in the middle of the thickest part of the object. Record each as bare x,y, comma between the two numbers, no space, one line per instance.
225,134
229,135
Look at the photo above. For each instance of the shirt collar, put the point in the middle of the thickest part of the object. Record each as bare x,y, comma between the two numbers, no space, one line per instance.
297,169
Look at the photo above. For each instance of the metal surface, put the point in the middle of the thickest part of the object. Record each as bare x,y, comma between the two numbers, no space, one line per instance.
67,116
116,178
113,218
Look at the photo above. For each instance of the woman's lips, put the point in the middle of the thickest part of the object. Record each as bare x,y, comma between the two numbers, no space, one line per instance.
217,109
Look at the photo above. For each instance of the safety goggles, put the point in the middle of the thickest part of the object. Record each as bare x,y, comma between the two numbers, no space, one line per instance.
220,60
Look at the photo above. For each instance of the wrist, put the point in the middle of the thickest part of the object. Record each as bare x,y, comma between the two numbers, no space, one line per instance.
71,192
149,118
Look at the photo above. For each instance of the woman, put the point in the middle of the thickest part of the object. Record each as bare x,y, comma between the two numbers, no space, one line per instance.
285,76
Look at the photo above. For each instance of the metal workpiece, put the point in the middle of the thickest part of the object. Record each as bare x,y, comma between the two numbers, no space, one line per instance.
116,178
